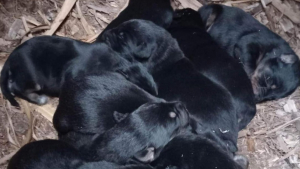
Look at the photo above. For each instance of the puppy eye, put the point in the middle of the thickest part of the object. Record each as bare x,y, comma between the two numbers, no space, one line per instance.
172,114
273,87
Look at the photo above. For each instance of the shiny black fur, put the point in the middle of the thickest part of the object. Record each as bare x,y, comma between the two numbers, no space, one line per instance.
158,11
190,151
269,61
89,104
151,126
36,69
54,154
210,104
214,62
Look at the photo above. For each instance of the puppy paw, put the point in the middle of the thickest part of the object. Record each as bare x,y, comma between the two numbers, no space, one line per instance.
37,99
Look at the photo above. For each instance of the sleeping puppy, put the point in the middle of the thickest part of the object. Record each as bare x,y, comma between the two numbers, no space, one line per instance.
210,104
92,104
214,62
36,69
158,11
270,63
54,154
191,151
142,134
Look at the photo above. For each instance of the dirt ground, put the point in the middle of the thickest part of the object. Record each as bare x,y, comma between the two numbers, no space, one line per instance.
271,140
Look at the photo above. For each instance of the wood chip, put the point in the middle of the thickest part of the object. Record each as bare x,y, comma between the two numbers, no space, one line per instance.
66,8
102,9
194,4
7,157
83,21
44,17
286,24
265,2
26,26
283,8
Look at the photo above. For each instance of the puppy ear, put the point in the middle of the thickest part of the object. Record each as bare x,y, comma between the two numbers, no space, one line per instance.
241,161
288,58
146,155
119,116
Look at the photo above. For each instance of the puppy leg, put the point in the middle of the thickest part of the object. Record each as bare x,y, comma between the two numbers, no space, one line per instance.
146,155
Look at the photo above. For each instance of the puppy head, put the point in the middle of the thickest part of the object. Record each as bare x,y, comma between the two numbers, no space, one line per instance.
161,122
134,39
275,76
137,74
187,17
196,151
141,41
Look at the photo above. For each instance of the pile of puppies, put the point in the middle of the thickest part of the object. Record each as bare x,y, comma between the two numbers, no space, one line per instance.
158,89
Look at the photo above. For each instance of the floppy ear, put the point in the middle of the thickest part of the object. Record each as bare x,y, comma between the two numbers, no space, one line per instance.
119,116
288,58
241,161
146,155
145,50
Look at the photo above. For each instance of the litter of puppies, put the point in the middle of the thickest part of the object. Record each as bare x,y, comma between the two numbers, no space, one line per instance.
150,59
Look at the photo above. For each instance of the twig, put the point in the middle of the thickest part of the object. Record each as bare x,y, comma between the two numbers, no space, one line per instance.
66,8
82,19
242,1
33,21
12,126
283,125
26,26
7,157
101,9
190,4
294,16
44,17
287,155
36,29
29,116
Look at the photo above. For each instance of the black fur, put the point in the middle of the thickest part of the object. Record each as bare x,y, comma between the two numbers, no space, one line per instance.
268,60
36,69
151,126
210,104
158,11
88,104
214,62
190,151
54,154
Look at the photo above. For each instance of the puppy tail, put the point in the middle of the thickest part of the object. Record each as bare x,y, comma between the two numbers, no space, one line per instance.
209,14
4,85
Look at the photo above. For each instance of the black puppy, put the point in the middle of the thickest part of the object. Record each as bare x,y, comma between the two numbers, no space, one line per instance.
268,60
36,69
214,62
210,104
142,134
158,11
54,154
190,151
94,103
